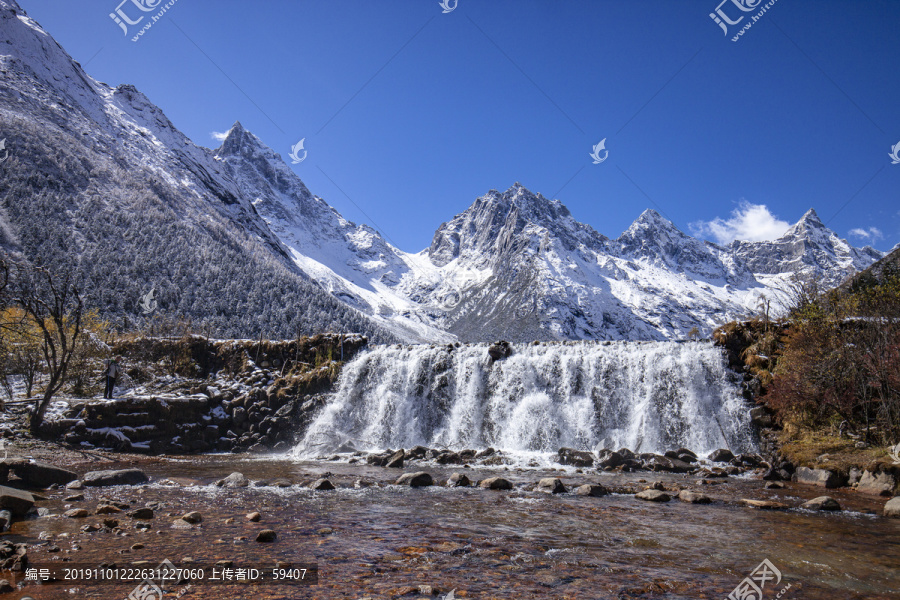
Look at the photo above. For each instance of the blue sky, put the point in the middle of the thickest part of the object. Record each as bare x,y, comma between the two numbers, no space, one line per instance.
409,113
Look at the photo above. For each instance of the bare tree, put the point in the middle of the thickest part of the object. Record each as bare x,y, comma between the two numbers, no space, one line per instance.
54,308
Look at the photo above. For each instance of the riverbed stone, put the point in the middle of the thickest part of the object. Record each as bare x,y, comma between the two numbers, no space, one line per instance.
551,485
235,480
108,509
266,536
575,458
721,455
418,479
878,483
763,504
495,483
192,517
253,517
590,489
610,460
75,485
322,485
458,480
652,495
114,477
395,461
822,503
143,513
820,477
892,508
40,474
694,497
17,502
76,513
666,464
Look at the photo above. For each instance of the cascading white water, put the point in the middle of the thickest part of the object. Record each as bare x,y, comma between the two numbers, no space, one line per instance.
646,396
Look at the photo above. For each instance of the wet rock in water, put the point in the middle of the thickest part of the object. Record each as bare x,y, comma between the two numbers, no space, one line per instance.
5,588
892,508
763,504
281,482
322,485
362,483
76,513
761,417
822,503
589,489
499,350
75,485
721,455
494,461
110,523
253,517
652,495
694,497
458,480
626,454
182,524
610,460
485,453
395,461
235,480
878,483
266,536
666,464
448,458
420,479
682,451
15,501
821,477
774,474
138,546
192,517
575,458
141,513
74,498
495,483
774,485
90,528
551,485
39,474
108,509
115,477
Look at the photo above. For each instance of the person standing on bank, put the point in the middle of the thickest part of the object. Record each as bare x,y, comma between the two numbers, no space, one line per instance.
112,373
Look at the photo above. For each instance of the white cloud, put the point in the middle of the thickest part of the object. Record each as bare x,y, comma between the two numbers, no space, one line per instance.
748,222
219,137
871,234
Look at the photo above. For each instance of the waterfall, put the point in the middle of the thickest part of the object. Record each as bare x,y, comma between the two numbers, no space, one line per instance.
646,396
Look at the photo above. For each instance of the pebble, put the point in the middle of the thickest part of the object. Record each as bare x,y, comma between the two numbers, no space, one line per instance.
652,495
74,498
141,513
822,503
266,536
591,490
254,517
192,517
76,513
137,546
75,485
229,521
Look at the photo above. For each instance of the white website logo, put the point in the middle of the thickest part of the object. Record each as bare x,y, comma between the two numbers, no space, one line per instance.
295,150
596,153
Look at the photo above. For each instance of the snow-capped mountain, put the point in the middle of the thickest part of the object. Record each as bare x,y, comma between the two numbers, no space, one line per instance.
100,182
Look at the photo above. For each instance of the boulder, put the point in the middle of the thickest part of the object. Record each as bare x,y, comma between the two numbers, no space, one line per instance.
141,513
721,455
458,480
774,474
591,490
551,485
892,508
694,497
495,483
41,475
235,480
610,460
15,501
499,350
485,453
192,517
878,483
575,458
395,461
323,485
822,503
117,477
821,477
626,454
761,417
419,479
266,536
666,464
653,496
